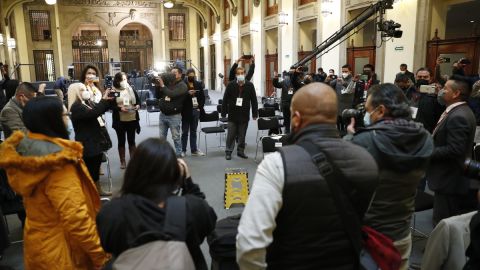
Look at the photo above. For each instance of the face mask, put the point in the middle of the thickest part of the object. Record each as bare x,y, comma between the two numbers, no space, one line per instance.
241,78
86,95
366,118
345,75
123,84
403,72
367,72
191,78
331,73
422,82
441,97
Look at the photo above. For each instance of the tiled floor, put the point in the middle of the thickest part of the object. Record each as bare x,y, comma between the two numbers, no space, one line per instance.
208,172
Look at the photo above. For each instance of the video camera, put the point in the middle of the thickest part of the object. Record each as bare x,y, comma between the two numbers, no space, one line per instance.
357,113
108,82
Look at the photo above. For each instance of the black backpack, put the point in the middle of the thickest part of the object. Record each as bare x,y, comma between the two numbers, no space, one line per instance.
222,243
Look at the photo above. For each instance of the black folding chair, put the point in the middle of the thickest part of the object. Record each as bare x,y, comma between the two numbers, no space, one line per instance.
271,144
423,202
153,106
210,117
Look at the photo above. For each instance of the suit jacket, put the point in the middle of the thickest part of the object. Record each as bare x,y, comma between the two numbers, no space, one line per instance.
453,142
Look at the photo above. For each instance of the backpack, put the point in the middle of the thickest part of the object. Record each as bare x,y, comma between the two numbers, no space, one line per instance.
222,242
161,250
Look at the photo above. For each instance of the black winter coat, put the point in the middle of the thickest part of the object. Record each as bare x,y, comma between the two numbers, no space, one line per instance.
86,126
188,104
429,111
285,85
123,219
236,113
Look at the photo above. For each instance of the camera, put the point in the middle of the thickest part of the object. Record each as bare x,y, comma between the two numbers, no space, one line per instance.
108,82
357,113
114,94
472,168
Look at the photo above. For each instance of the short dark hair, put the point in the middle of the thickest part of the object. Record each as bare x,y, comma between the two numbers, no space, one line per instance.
44,115
331,70
393,98
403,65
168,78
153,171
83,75
347,66
320,69
190,70
402,78
370,66
462,85
179,69
424,69
26,89
118,78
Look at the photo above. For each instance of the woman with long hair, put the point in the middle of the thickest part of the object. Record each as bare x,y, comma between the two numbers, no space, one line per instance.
125,118
61,202
88,123
90,77
153,175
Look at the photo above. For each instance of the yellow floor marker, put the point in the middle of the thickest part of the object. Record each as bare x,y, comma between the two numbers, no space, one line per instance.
236,187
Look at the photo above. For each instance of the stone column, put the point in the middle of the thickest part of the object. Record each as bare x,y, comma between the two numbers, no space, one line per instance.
257,43
287,44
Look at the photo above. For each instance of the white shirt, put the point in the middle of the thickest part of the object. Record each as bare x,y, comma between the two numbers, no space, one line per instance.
255,231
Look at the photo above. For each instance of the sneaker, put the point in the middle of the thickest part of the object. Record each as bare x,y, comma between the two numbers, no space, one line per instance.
183,154
228,156
198,153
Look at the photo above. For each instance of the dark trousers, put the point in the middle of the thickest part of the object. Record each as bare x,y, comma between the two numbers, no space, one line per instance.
93,165
236,130
129,129
189,126
286,116
448,205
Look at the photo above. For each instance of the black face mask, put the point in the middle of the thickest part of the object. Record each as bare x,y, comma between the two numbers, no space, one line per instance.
191,78
422,82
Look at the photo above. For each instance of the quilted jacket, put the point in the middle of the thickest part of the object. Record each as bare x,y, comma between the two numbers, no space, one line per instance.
60,199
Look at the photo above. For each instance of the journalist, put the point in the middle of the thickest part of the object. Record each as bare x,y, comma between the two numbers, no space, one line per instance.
286,99
402,149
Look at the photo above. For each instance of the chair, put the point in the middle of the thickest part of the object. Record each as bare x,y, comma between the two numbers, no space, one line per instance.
266,124
224,120
266,112
143,94
271,144
210,117
153,106
423,202
105,159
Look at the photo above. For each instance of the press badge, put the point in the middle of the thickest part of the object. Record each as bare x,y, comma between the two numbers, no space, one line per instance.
239,102
167,98
290,92
194,102
126,101
365,94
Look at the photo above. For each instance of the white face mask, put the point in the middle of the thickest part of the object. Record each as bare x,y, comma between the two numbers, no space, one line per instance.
345,75
240,78
366,119
123,84
86,95
403,72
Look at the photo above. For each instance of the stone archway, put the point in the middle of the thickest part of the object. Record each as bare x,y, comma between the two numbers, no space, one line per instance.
136,47
89,46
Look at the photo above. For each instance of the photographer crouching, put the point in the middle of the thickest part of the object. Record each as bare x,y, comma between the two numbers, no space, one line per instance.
402,149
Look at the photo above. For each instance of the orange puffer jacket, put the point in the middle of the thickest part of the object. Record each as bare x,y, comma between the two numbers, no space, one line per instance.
60,199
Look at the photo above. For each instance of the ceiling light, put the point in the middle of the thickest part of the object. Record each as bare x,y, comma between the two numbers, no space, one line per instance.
168,4
11,43
51,2
99,42
1,39
472,21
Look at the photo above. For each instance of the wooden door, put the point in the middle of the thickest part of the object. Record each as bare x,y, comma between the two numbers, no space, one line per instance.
227,64
452,50
312,64
271,65
357,57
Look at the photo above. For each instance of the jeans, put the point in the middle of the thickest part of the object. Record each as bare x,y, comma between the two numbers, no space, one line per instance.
190,125
236,130
173,122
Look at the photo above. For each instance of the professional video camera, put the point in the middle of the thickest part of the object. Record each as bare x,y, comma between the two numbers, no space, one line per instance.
472,168
108,82
357,113
389,29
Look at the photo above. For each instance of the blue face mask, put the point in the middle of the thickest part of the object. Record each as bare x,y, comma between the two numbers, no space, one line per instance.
241,78
366,119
